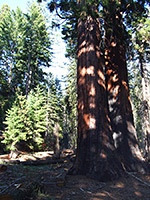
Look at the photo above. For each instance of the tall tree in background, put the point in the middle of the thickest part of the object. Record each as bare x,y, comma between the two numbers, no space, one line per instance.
6,60
54,116
37,47
25,47
140,42
70,117
25,50
7,43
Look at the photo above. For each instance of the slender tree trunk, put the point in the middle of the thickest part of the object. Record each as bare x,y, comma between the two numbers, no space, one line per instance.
29,75
146,124
56,138
95,156
120,111
10,73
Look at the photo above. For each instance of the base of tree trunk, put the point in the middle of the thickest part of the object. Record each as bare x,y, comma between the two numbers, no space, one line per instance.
136,165
109,169
104,170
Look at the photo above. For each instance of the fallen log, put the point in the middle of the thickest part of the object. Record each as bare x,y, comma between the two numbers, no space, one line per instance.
42,162
4,156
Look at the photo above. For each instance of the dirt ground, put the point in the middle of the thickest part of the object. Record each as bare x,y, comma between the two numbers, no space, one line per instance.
49,181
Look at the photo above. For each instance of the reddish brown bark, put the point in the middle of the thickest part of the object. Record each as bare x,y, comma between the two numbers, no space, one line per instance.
95,156
120,111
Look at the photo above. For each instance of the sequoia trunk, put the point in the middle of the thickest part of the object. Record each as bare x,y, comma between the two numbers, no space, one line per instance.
120,111
95,156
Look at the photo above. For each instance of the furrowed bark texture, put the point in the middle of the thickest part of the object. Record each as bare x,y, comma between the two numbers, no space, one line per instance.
95,156
120,111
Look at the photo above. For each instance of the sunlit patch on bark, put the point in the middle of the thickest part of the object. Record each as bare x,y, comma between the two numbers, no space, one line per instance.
101,78
124,83
116,91
90,121
83,71
103,155
81,105
115,78
92,90
92,105
90,70
81,81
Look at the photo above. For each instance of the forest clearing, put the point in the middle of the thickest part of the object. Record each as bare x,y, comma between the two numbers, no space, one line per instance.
50,181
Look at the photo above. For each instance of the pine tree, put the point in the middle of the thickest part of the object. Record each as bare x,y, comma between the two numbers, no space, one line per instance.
6,42
15,121
25,45
54,110
26,121
25,50
37,47
37,110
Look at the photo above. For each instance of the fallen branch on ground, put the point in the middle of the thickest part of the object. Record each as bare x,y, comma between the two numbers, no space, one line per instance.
140,180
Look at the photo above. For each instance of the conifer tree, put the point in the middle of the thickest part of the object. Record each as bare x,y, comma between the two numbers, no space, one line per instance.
37,47
26,121
54,109
25,50
15,121
6,42
71,104
140,67
25,47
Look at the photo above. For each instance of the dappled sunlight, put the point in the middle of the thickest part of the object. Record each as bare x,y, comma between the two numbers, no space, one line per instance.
83,71
120,110
90,121
101,78
118,185
80,105
103,155
94,139
139,194
92,91
90,70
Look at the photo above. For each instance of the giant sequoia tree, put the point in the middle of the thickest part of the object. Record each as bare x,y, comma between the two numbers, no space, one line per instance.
120,111
99,122
94,151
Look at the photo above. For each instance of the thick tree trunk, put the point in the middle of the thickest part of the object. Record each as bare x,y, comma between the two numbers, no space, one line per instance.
95,156
120,111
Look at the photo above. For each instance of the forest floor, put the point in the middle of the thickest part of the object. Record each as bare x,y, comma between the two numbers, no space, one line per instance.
45,178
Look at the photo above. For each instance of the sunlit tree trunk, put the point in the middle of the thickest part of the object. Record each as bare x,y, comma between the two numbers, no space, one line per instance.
146,107
120,111
10,73
94,149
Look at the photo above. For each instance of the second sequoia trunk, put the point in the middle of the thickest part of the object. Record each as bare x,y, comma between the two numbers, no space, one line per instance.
120,111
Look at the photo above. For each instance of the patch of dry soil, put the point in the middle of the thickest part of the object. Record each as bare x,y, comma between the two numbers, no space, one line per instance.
43,182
